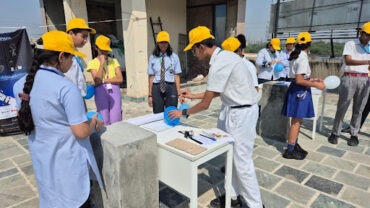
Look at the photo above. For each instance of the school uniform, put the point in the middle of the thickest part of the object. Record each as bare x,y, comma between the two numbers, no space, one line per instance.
266,72
238,117
107,96
298,101
172,67
354,85
284,56
75,75
253,71
61,161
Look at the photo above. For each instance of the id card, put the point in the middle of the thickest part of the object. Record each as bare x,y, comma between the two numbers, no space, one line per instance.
108,86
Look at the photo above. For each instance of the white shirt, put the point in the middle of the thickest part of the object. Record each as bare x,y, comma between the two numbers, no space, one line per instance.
252,69
172,66
227,76
300,66
75,75
267,72
354,49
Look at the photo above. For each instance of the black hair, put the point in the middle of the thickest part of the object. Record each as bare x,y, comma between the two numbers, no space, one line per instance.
157,50
297,50
78,30
25,120
243,42
268,45
210,42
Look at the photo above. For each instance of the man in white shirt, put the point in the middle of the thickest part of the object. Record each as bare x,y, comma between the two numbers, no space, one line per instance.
266,60
354,85
284,56
238,115
79,31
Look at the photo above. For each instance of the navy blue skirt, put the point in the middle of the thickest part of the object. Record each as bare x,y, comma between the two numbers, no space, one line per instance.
298,102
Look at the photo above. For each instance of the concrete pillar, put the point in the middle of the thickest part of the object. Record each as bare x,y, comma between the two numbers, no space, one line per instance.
240,21
135,39
271,123
77,8
130,173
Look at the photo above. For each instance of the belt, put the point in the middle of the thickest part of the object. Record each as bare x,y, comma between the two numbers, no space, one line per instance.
355,74
166,83
241,106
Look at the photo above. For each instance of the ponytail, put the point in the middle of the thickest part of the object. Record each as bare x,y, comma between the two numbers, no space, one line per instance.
25,120
297,50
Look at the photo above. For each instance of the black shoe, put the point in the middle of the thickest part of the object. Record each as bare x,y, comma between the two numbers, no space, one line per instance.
295,154
346,130
333,139
353,141
220,202
300,149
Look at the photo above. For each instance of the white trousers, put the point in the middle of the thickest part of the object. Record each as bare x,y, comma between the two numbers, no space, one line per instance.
241,124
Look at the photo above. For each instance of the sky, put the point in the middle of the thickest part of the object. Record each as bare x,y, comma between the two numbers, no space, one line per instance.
257,18
15,14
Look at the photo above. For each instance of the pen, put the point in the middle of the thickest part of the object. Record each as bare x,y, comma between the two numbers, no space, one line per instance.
211,138
195,140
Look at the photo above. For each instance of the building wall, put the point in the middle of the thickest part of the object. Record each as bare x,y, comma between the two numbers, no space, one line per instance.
173,17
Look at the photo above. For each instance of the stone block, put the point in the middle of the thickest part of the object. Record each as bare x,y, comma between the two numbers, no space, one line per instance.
129,167
271,123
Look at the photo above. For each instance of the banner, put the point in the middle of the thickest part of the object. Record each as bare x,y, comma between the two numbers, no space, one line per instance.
15,62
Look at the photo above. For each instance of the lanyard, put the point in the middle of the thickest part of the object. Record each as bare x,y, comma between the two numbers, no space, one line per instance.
367,49
51,70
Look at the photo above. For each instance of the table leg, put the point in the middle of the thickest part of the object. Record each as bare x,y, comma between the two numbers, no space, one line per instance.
322,110
194,187
228,175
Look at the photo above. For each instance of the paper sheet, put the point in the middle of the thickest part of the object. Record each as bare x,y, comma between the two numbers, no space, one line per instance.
157,126
186,146
145,119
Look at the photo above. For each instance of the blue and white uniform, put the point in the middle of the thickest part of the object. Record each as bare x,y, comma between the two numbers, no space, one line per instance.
298,101
61,162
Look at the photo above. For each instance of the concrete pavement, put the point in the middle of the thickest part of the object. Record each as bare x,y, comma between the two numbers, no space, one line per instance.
330,176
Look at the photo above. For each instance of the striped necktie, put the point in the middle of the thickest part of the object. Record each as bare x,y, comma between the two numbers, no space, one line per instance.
162,83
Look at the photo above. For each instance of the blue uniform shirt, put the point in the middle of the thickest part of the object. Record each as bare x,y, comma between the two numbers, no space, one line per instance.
61,161
171,63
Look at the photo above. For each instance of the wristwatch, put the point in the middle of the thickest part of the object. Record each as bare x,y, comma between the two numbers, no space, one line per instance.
185,113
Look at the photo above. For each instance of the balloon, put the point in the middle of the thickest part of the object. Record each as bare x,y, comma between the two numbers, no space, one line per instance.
331,82
90,91
278,67
168,121
184,106
90,114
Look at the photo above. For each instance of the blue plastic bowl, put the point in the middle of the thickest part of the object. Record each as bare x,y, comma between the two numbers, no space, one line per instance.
184,106
168,121
279,67
90,114
90,91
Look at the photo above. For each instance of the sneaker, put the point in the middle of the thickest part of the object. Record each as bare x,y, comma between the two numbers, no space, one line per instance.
295,154
300,149
353,141
220,202
346,130
333,139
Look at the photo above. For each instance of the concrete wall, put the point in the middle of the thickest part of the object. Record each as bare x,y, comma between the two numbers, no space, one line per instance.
173,17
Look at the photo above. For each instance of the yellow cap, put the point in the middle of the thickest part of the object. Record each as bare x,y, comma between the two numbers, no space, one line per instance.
231,44
275,42
290,40
197,35
103,43
304,37
79,23
163,36
366,27
59,41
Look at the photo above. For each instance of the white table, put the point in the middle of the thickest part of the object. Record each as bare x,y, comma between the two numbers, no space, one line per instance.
179,169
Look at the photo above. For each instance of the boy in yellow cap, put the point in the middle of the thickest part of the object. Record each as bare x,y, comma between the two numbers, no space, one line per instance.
284,56
107,76
266,60
79,31
53,115
226,79
354,85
